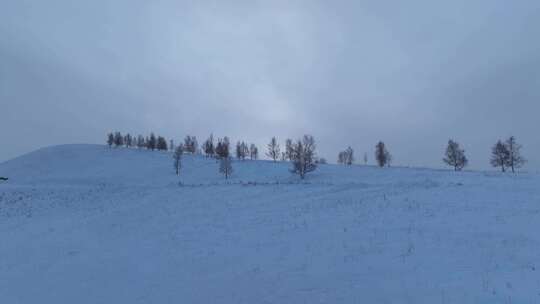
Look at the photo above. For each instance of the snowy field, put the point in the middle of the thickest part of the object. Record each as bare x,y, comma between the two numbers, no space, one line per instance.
89,224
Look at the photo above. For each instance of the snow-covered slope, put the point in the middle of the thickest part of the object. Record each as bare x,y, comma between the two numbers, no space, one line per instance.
89,224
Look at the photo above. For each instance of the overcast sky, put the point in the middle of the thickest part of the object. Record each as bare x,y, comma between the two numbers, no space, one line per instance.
410,73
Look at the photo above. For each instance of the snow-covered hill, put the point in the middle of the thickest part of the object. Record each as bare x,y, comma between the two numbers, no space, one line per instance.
89,224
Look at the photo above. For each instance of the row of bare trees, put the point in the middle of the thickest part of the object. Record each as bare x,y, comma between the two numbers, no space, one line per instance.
151,142
221,148
382,156
220,151
504,154
346,157
301,153
507,154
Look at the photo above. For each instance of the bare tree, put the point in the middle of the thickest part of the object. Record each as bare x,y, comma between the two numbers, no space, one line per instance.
346,157
273,149
190,144
128,140
208,146
499,155
161,144
382,156
455,156
515,160
341,158
245,150
350,156
118,139
288,149
151,142
131,140
238,150
140,142
225,166
253,152
304,157
177,156
365,158
222,147
242,150
171,145
110,139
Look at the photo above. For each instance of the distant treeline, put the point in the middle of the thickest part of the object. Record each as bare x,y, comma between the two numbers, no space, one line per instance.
151,142
302,152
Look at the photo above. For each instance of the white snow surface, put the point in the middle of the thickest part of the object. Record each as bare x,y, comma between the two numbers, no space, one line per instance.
90,224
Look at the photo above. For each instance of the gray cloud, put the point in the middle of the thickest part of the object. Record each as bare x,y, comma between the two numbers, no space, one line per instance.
350,72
